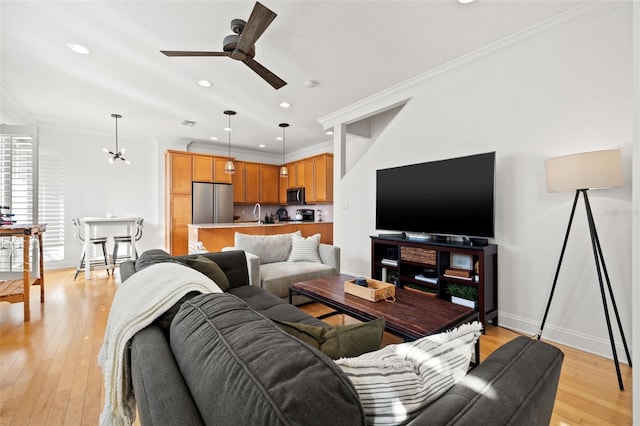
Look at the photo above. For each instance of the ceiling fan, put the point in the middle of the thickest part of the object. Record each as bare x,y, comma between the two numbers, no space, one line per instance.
240,46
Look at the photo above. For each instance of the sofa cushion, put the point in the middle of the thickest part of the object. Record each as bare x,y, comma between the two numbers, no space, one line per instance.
397,382
269,248
341,340
239,365
153,256
305,249
278,277
515,385
210,269
272,306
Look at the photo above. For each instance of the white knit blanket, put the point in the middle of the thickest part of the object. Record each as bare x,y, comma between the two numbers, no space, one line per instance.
141,299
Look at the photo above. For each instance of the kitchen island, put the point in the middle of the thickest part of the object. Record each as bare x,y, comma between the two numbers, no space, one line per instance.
215,236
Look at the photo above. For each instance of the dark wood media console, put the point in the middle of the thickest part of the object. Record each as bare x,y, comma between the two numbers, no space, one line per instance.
423,265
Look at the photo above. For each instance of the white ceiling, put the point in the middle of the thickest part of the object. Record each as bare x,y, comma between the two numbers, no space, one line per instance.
353,49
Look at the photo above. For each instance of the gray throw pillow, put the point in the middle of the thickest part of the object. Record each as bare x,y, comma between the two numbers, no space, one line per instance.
340,341
269,248
211,269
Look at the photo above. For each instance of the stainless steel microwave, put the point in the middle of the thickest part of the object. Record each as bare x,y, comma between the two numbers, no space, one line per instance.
295,196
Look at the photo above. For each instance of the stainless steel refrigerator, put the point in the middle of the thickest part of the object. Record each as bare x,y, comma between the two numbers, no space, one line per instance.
211,203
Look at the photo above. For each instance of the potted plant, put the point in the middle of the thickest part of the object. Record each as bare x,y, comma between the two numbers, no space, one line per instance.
465,295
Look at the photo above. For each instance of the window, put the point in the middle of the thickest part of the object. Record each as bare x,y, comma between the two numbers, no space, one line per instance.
32,191
51,203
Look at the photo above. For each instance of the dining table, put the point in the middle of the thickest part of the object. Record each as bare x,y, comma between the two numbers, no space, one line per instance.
109,226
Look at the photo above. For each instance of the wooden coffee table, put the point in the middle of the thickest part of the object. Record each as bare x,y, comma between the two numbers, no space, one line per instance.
411,316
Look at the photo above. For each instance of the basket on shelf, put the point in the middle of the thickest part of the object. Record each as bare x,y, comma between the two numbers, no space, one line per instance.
419,255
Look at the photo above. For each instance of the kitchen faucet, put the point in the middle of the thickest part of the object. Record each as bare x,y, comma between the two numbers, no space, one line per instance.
257,207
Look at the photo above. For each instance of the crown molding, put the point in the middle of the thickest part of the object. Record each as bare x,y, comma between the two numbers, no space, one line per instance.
12,110
403,92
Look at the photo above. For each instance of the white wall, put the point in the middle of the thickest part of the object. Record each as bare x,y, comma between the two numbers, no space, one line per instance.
93,187
551,93
635,277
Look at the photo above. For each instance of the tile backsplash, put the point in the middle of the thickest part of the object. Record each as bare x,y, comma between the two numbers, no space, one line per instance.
324,212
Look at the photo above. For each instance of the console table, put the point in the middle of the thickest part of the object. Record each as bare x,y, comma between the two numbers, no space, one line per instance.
404,263
15,291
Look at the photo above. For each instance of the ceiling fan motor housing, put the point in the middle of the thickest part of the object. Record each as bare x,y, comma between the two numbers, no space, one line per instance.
229,46
237,25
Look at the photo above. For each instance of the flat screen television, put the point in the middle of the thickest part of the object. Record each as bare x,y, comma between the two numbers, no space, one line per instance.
444,198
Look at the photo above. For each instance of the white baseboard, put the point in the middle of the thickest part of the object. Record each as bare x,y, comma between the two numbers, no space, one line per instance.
563,336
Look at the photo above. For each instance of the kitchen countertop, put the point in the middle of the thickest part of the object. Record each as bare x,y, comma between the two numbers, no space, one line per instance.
249,224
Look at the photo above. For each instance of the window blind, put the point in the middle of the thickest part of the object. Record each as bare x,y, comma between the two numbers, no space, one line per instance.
32,187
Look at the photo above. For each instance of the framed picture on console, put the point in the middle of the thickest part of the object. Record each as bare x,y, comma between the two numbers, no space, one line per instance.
461,261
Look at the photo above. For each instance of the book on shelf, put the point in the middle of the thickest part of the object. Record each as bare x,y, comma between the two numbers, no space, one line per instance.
458,277
421,277
389,262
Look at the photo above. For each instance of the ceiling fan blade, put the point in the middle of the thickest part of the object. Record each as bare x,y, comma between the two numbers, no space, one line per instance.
261,17
263,72
189,53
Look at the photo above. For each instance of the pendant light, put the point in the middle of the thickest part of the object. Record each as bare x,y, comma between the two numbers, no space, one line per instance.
229,168
118,153
283,170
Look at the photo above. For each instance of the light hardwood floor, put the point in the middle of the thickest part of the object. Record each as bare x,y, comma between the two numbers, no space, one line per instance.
49,373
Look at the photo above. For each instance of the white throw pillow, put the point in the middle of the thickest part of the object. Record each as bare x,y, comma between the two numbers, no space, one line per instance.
305,249
396,382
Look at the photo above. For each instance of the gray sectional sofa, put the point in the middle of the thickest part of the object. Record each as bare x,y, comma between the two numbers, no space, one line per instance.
270,267
219,359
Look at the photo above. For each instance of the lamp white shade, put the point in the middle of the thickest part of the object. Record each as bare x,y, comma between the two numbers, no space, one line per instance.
585,170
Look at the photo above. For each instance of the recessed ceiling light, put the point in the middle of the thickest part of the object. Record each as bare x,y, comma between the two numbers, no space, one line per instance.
205,83
213,138
262,145
465,1
279,138
228,129
78,48
329,132
285,104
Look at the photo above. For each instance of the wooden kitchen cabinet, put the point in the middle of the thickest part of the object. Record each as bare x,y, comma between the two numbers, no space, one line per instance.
246,183
296,174
180,214
269,184
218,170
209,168
283,184
202,168
319,178
178,178
315,174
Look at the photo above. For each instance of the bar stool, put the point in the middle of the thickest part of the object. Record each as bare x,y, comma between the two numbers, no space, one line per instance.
101,241
126,239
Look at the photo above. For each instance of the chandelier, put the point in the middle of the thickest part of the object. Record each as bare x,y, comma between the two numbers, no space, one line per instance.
118,153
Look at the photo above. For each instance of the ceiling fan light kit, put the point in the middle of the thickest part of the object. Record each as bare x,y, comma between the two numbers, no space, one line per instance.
118,154
229,168
241,45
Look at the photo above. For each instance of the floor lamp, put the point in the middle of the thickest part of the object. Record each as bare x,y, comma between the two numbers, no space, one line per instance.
580,173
